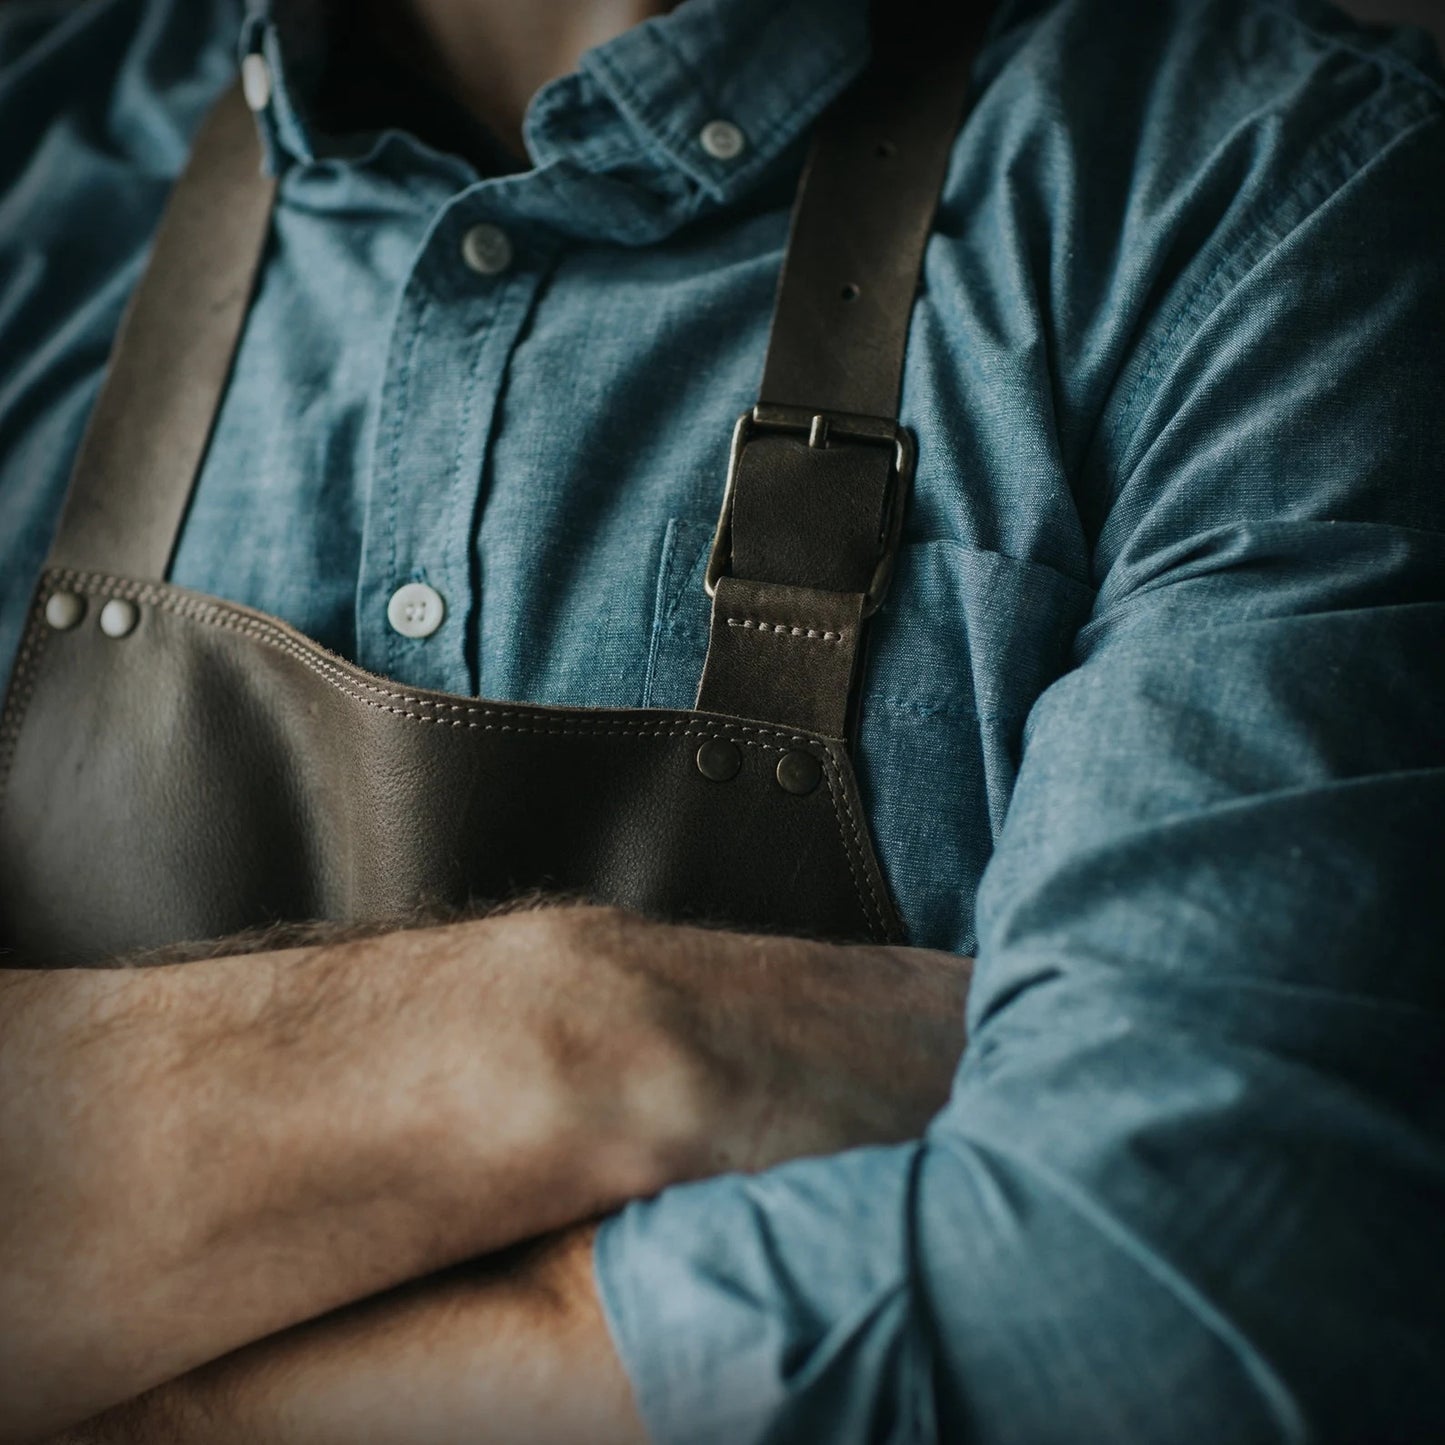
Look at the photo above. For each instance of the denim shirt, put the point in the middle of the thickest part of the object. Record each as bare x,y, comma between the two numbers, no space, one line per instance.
1154,717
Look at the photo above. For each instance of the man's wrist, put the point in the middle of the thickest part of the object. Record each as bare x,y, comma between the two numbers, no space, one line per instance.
280,1134
511,1349
284,1134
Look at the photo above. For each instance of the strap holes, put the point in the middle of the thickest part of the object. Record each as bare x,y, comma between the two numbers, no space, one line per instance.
850,292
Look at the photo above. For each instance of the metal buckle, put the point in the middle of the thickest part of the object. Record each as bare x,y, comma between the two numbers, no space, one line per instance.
822,429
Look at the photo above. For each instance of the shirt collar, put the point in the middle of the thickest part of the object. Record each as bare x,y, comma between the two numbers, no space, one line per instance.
769,67
290,36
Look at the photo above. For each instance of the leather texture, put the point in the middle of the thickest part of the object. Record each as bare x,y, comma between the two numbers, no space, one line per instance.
810,513
152,423
864,212
790,652
214,770
810,516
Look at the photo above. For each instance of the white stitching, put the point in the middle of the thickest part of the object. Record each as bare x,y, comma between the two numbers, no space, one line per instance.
339,676
27,668
784,629
344,680
844,808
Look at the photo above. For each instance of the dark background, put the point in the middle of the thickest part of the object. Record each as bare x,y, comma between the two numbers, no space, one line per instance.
1429,13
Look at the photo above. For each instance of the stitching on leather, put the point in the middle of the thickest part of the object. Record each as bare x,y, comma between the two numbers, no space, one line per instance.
784,629
842,808
27,667
218,615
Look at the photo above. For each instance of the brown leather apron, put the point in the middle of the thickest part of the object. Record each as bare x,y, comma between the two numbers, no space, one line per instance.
174,766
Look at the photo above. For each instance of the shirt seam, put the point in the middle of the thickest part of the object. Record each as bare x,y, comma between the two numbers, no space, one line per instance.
597,154
765,142
763,148
1268,232
1384,59
404,384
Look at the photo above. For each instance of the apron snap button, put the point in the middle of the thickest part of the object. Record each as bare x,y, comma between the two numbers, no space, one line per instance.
799,773
64,610
119,617
719,760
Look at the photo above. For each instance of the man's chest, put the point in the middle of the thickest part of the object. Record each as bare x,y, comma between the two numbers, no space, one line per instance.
534,430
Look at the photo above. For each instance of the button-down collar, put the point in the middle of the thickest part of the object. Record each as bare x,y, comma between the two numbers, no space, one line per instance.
638,105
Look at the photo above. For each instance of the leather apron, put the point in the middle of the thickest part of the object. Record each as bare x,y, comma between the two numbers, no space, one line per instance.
177,767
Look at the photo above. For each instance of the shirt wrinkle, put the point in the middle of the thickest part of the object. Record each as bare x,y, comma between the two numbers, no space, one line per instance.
1385,121
1386,59
1185,822
1273,1390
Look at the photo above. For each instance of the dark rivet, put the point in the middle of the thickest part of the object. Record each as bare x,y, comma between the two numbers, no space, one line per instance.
719,760
799,772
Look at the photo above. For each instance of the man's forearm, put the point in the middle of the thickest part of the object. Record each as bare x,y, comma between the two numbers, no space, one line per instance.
196,1157
514,1351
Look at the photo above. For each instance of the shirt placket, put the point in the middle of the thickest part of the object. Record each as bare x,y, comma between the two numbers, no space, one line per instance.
465,301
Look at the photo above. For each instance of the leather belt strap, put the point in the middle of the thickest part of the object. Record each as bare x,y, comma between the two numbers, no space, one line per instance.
152,424
820,469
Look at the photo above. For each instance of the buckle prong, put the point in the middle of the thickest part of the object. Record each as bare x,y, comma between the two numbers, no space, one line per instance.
822,429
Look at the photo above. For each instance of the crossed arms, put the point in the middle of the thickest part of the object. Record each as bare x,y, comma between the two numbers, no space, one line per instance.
197,1157
1189,1180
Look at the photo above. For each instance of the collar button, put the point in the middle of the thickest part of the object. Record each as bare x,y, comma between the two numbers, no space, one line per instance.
487,250
256,82
722,140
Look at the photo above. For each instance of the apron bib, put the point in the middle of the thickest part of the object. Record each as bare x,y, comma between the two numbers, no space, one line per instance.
177,767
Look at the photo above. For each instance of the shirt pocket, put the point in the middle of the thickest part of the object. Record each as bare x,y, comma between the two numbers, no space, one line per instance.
965,643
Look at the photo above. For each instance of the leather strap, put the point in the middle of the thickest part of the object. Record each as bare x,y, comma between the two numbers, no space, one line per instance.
790,652
863,215
809,511
819,476
152,423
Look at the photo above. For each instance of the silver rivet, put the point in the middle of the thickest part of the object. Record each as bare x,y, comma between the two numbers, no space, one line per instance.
487,250
256,82
719,760
722,140
416,610
118,617
799,772
63,610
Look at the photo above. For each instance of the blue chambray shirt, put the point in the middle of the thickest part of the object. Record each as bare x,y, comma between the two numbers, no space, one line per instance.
1154,720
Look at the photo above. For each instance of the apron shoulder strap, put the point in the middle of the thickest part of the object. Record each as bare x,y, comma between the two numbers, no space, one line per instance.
152,423
820,471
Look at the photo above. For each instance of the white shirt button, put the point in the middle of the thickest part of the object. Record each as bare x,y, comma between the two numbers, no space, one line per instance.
722,140
487,250
256,82
416,610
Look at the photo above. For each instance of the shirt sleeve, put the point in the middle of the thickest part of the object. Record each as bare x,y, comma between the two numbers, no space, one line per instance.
1191,1179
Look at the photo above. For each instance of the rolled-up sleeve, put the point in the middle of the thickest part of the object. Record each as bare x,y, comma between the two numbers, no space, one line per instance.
1191,1181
